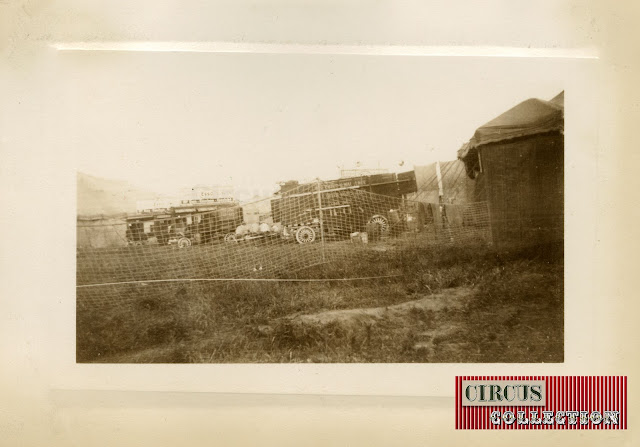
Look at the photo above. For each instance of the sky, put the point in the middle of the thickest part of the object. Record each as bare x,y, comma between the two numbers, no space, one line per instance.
165,121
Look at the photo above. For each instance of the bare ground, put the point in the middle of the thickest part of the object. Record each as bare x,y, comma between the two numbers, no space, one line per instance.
454,298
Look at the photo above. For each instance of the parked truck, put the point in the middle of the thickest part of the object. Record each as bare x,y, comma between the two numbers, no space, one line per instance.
337,208
184,225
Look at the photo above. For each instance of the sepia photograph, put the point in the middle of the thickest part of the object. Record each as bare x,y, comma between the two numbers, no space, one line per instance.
291,205
274,222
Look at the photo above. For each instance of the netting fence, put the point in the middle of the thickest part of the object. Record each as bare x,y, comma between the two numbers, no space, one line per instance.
282,237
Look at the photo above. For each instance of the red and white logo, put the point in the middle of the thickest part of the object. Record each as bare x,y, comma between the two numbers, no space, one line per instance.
541,402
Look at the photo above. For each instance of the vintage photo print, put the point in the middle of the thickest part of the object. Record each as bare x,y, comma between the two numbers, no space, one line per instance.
317,207
310,223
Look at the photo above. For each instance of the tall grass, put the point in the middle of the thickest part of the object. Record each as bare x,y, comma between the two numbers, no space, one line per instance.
518,303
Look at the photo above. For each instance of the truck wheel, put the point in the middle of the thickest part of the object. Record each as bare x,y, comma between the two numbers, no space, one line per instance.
381,221
183,242
305,235
230,237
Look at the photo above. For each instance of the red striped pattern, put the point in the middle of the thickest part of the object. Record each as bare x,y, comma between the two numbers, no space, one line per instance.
563,393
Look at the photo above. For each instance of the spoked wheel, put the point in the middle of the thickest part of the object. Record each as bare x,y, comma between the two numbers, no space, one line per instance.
381,221
184,242
305,235
230,237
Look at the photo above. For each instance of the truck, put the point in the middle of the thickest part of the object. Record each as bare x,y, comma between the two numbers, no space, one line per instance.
184,225
338,208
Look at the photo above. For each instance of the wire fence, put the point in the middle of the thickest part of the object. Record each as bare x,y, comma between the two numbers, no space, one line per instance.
277,238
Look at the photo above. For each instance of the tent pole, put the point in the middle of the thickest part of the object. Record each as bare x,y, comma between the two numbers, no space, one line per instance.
319,191
439,174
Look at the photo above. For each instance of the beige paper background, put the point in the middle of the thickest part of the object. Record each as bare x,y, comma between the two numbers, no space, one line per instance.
46,397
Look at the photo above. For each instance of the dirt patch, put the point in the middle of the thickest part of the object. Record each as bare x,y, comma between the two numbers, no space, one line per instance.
418,326
454,298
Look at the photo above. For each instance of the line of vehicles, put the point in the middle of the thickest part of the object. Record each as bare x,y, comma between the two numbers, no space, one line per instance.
302,214
184,225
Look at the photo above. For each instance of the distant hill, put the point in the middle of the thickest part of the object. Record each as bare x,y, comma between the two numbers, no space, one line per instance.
98,195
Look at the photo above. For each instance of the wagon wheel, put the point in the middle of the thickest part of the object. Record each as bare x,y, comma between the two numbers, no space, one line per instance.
183,242
381,221
305,235
230,237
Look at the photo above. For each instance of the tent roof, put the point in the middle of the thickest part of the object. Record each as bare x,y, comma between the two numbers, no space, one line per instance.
558,99
530,117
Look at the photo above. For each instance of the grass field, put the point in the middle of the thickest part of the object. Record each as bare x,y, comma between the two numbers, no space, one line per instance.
449,304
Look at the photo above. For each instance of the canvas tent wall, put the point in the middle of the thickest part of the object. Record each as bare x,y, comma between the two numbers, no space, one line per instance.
461,213
520,158
98,231
457,188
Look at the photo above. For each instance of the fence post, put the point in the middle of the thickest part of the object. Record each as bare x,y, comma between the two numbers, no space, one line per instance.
320,215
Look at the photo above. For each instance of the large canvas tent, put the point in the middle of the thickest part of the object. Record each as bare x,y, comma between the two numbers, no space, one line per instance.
519,156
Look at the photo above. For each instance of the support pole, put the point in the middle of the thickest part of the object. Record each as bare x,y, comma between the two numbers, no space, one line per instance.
439,175
320,215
